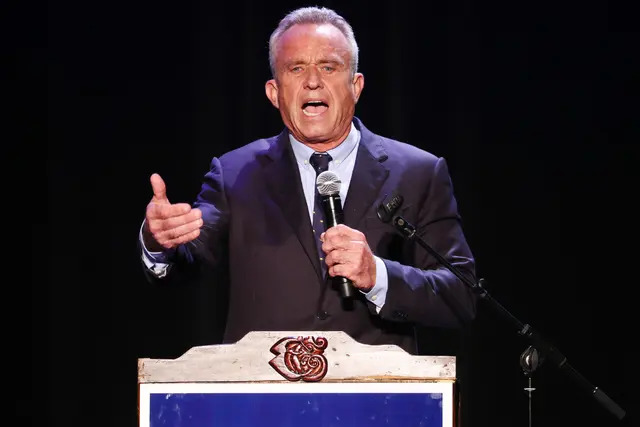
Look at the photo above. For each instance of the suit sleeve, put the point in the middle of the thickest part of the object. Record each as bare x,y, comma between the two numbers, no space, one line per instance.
420,289
211,245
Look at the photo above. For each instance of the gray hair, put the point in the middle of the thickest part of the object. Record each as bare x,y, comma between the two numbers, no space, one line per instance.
313,15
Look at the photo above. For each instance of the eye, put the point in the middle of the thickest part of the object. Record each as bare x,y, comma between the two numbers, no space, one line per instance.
296,70
328,68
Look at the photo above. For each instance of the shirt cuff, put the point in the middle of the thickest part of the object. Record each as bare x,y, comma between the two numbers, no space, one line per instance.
156,262
378,294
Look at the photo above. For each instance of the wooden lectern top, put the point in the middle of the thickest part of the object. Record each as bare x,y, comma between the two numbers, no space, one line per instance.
287,356
288,379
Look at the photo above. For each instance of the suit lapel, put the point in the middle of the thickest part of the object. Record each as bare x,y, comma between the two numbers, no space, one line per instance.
283,181
368,176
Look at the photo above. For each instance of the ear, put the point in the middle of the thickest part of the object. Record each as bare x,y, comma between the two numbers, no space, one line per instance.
358,85
271,90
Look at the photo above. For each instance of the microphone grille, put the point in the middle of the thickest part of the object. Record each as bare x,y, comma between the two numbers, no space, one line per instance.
328,183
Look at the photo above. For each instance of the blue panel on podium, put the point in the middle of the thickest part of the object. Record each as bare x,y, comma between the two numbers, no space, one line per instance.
296,404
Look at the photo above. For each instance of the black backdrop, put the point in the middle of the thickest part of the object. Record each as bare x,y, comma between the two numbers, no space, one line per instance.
530,103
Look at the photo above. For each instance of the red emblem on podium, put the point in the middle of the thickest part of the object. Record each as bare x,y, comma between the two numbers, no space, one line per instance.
300,358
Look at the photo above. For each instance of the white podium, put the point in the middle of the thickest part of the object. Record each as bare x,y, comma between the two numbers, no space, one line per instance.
310,378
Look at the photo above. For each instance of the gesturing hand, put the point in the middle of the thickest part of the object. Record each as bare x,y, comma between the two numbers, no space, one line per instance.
168,225
349,255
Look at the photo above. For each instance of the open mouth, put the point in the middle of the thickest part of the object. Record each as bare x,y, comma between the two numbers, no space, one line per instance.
314,108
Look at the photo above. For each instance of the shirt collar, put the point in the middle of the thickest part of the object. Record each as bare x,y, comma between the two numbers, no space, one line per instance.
338,154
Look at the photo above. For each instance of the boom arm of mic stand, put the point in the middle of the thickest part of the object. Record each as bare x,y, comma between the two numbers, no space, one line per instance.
547,351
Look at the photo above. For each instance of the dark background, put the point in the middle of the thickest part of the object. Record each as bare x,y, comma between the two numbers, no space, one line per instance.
531,103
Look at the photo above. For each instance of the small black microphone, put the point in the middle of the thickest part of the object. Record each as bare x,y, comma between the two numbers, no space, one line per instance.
328,184
386,211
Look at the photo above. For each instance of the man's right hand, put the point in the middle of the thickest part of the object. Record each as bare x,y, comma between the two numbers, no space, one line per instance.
168,225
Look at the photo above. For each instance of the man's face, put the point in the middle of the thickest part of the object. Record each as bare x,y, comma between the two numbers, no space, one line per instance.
314,89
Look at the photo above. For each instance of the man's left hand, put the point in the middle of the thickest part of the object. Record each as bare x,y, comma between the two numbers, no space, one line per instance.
348,255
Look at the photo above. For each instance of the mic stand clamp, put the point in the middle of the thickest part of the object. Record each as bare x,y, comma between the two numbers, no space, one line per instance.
529,360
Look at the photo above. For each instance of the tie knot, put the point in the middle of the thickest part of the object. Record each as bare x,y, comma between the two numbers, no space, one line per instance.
320,162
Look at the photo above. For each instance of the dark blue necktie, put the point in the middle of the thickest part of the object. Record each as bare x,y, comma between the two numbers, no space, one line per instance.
320,162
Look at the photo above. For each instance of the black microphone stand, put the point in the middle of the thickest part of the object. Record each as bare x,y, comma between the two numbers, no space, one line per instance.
540,350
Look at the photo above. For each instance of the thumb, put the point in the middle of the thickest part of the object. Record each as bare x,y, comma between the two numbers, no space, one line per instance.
159,188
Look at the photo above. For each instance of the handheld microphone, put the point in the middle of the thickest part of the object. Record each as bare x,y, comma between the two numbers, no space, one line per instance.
328,184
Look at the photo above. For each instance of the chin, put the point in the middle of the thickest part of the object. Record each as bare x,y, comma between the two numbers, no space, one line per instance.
316,135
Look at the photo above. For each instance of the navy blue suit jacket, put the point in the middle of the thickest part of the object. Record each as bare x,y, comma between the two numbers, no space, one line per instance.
256,225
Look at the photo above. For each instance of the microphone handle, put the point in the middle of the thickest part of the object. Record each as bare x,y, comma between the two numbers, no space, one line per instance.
334,215
345,287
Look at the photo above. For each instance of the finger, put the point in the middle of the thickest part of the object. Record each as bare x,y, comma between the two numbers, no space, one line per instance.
159,188
178,220
328,245
338,242
342,270
352,255
336,256
341,235
165,211
162,228
174,234
361,278
185,238
340,230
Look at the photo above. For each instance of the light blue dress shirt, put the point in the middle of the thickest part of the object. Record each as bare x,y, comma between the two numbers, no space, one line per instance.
342,163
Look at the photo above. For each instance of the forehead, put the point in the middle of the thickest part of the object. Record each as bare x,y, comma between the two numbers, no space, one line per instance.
311,41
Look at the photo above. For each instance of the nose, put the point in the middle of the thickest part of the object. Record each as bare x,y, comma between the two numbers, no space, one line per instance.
313,78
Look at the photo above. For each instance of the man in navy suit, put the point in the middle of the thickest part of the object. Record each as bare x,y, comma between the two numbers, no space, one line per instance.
254,216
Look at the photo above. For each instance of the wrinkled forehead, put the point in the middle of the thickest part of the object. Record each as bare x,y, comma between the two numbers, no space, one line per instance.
314,43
